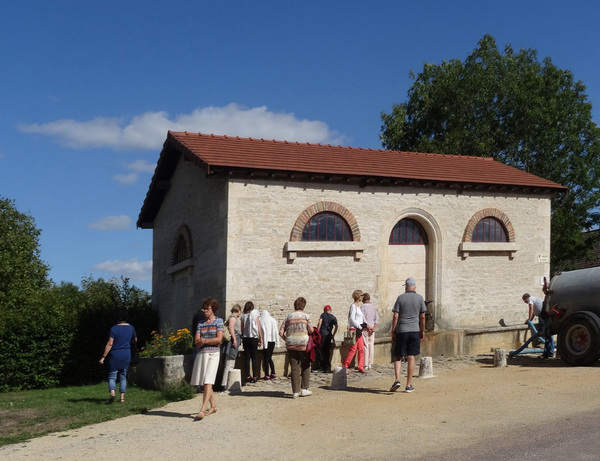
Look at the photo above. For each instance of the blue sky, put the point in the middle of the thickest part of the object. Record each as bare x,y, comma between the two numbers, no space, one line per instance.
89,90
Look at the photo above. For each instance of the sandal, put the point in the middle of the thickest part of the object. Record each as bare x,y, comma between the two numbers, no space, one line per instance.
122,399
110,400
211,411
200,416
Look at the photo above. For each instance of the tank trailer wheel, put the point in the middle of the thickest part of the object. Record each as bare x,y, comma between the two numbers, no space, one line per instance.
579,339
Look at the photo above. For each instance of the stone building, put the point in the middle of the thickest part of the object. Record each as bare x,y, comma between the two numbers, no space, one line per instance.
251,219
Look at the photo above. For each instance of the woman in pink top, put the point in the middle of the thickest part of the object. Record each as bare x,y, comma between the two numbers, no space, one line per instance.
371,318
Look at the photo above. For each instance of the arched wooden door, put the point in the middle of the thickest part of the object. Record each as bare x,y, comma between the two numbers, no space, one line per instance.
408,248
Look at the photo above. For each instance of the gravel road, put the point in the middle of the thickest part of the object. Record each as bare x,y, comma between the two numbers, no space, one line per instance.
468,404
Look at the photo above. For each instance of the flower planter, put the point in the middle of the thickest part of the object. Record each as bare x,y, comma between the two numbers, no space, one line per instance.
150,371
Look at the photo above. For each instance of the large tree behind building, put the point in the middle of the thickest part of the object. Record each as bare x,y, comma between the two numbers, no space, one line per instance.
518,110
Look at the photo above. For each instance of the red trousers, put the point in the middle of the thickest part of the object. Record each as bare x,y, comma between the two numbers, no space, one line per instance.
361,354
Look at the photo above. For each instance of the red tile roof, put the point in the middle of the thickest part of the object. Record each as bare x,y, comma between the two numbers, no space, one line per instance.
228,153
260,154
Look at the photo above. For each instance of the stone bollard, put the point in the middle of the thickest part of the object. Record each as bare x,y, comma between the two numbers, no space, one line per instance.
234,381
499,357
339,379
426,367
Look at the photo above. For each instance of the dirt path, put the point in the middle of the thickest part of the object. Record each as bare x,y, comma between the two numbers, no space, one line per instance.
468,403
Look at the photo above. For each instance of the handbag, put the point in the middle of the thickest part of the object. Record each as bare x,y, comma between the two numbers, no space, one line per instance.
350,337
135,354
226,333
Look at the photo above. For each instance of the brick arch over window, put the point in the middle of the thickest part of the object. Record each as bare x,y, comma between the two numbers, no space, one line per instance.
182,248
320,207
486,212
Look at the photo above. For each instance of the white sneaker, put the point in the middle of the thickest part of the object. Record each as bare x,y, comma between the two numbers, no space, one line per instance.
306,393
296,395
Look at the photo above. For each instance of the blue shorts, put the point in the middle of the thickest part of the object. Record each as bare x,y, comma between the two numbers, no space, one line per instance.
408,343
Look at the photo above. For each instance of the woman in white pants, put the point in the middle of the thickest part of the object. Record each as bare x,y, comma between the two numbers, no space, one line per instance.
371,318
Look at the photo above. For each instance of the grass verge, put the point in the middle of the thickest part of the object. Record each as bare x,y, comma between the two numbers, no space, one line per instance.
28,414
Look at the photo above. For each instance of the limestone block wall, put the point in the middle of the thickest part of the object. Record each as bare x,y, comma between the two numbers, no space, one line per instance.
201,205
469,288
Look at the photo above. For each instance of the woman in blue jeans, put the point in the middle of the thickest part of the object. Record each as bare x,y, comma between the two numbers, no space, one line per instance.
118,352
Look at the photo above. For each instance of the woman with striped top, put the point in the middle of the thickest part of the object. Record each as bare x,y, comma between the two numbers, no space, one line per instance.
208,339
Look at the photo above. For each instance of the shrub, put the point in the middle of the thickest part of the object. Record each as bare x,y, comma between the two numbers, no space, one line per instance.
179,343
176,392
59,336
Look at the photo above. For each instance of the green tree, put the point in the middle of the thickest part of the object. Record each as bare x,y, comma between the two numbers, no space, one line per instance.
22,272
36,348
54,334
102,300
525,113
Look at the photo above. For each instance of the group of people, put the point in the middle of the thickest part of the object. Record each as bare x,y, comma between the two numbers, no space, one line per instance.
257,331
213,336
246,327
362,322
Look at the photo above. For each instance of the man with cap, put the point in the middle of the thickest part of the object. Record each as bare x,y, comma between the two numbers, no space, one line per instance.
327,326
408,329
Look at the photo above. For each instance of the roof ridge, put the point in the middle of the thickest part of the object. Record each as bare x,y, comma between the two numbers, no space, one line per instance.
339,146
285,141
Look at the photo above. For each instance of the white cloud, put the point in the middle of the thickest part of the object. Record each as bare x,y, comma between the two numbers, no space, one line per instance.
141,166
99,132
126,179
110,223
138,167
148,131
132,269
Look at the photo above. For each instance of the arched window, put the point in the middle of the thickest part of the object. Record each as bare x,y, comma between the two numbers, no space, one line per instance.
326,227
182,249
489,229
408,232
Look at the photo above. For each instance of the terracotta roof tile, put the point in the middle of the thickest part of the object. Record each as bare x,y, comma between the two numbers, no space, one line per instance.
228,153
260,154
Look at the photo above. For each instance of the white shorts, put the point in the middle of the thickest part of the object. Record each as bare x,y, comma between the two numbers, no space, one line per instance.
205,368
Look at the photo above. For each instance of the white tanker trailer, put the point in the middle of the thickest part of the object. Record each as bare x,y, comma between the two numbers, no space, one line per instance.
573,305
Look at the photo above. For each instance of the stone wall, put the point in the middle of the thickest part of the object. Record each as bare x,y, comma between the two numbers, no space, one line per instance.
201,205
245,247
470,288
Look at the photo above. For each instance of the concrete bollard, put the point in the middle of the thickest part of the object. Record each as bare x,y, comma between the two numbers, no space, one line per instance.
234,381
426,367
339,379
500,357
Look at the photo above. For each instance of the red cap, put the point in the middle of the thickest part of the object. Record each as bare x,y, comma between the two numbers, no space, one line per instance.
327,308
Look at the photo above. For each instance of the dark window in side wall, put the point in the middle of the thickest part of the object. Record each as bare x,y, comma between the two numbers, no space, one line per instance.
181,252
489,229
326,227
408,232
